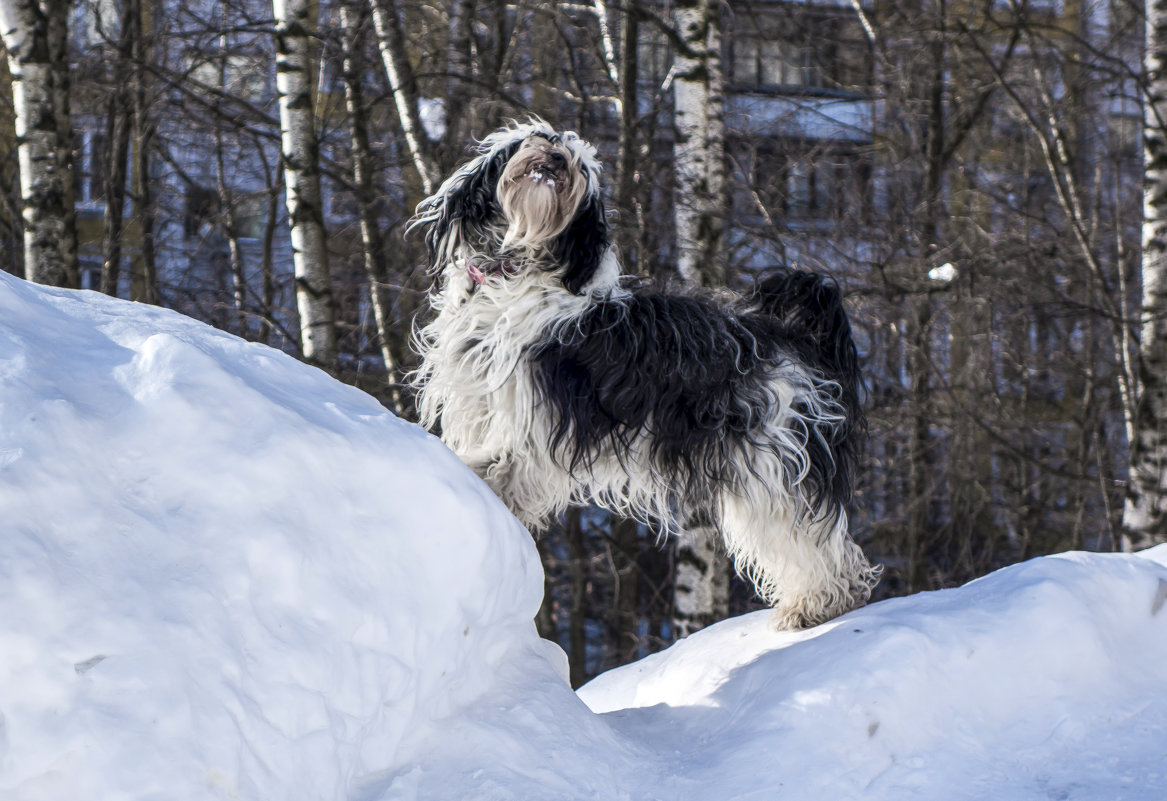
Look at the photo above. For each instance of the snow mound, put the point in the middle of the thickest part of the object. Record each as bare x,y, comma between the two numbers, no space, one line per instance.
224,575
1042,680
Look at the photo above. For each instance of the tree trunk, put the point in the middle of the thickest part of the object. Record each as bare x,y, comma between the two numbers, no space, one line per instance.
231,232
702,568
624,627
34,34
577,613
227,201
144,280
373,245
1144,516
701,581
403,83
295,22
459,77
627,76
57,13
267,249
699,146
120,112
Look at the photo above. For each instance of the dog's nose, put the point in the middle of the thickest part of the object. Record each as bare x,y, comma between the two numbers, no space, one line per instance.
557,160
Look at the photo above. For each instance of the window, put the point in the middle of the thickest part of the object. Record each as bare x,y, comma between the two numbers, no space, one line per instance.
90,273
802,51
808,182
89,156
241,74
251,215
201,206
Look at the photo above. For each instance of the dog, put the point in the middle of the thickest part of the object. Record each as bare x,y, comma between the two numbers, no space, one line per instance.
561,382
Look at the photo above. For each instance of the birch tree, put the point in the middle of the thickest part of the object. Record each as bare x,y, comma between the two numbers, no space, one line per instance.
295,23
699,146
1145,510
700,203
403,84
35,38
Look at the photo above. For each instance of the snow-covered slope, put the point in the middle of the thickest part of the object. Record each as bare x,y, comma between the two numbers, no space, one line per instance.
224,575
1044,680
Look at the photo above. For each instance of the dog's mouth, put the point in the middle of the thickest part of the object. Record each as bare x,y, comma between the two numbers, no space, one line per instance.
551,169
481,270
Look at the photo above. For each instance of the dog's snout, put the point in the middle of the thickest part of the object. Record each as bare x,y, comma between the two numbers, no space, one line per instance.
557,159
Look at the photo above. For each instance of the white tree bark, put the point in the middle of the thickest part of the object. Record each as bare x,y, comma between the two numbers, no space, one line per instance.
1145,511
34,36
700,580
391,43
295,22
701,589
699,146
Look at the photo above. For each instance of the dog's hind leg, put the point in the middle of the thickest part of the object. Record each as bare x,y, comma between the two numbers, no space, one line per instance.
809,570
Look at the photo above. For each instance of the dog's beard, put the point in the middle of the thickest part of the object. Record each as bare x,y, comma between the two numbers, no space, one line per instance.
537,198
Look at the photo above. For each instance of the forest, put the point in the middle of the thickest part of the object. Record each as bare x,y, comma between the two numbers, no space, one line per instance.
984,180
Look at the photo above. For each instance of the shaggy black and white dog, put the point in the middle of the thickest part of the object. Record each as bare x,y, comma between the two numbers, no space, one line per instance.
561,383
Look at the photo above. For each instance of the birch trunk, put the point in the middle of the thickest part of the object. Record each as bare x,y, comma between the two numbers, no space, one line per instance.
699,146
34,34
1145,510
701,580
231,230
403,83
701,593
295,22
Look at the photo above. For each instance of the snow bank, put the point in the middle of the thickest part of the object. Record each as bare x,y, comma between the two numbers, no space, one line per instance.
1044,680
224,575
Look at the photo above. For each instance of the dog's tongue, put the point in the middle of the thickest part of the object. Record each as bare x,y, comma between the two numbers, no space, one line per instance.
480,271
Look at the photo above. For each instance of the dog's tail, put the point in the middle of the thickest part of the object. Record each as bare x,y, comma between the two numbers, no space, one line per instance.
810,309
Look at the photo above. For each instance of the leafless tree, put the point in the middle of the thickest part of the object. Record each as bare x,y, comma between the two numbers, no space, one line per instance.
295,26
35,34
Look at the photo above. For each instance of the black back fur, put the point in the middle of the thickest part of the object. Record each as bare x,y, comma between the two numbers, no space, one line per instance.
690,371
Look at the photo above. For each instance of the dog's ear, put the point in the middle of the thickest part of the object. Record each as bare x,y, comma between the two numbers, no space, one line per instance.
465,201
581,247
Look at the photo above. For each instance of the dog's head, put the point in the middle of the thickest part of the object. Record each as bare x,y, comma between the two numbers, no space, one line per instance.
531,195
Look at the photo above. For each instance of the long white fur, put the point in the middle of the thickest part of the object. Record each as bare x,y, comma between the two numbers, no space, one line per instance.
474,380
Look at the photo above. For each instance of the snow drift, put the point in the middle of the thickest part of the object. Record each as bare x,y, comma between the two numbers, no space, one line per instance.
224,575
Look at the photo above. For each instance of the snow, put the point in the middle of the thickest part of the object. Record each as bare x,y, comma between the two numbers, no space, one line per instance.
224,575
